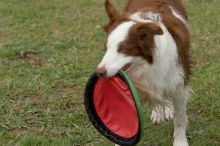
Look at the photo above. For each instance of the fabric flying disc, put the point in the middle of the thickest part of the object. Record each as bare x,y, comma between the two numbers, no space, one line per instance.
114,108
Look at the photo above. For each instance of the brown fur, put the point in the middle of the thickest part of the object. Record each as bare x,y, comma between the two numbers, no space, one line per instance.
140,40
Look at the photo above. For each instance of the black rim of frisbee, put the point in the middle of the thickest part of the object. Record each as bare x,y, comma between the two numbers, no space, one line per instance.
97,122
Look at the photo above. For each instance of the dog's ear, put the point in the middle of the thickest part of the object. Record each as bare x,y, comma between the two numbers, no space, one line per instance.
144,34
111,10
113,14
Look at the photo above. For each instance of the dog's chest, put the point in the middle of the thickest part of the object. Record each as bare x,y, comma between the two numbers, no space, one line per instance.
156,80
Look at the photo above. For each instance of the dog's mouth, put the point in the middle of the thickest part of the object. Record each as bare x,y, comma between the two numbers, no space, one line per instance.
104,75
126,67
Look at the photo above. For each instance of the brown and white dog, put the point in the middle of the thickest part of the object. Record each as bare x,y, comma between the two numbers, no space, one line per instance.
150,39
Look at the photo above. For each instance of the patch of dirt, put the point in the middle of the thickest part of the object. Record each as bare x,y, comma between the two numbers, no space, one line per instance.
73,105
30,127
32,57
62,88
56,28
35,99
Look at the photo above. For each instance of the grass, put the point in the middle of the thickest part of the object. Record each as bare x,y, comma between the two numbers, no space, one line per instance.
49,48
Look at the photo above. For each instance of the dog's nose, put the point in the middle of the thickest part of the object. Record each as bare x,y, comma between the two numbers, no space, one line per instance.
101,71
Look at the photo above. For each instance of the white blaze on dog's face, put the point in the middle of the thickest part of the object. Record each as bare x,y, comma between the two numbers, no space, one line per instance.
113,59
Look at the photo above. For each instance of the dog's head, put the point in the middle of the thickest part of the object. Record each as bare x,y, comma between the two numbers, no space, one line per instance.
127,41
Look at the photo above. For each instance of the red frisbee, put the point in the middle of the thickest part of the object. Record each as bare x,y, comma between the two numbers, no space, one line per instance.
114,108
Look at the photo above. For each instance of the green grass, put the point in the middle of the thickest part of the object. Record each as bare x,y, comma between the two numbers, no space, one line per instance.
48,48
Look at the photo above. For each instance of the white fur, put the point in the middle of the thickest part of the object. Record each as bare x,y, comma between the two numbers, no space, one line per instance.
158,115
169,112
180,119
114,60
146,17
162,112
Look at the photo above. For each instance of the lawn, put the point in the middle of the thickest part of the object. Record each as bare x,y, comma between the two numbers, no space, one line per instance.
48,48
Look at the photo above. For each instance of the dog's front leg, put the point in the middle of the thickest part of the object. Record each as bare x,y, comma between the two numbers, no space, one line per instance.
180,119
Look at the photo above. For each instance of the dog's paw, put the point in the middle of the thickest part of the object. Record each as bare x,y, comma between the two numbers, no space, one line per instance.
180,143
169,112
157,115
180,139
